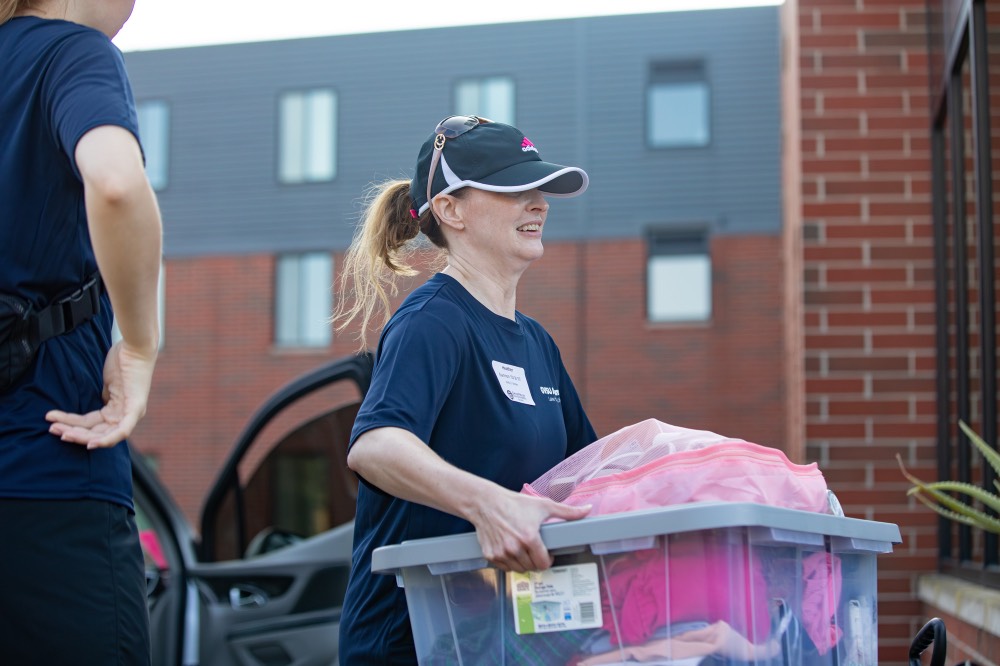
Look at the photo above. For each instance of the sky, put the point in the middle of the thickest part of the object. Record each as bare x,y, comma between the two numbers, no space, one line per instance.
161,24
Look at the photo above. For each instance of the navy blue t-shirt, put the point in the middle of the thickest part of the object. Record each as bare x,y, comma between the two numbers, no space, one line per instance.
59,81
450,371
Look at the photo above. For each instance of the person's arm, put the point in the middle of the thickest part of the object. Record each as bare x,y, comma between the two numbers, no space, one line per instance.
126,233
507,523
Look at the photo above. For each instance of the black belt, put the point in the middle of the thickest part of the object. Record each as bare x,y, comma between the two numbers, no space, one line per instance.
69,312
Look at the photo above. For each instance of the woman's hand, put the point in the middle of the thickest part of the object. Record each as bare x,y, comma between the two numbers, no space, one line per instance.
508,523
128,374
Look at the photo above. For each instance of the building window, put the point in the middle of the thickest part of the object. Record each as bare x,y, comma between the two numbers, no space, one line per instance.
491,98
161,296
154,134
679,277
678,106
308,137
303,299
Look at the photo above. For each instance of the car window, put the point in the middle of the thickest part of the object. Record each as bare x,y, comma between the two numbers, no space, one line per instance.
298,489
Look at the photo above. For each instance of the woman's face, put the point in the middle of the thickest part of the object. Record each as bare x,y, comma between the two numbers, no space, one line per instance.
504,226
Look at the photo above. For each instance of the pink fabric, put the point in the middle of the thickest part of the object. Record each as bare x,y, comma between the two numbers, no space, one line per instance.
151,546
653,464
820,598
700,582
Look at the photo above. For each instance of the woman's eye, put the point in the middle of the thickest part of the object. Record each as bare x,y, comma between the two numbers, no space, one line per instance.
518,196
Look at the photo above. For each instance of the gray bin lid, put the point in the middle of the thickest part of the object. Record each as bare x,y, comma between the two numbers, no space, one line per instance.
639,524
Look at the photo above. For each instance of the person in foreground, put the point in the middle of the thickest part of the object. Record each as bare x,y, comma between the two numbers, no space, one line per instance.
469,398
74,198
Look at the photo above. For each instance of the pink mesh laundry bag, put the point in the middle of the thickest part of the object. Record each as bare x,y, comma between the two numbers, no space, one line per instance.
653,464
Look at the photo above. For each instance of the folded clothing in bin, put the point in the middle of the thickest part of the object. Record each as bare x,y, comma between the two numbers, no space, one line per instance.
653,464
648,591
692,585
688,601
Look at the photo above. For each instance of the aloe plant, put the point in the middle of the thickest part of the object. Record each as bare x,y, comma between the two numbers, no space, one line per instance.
936,495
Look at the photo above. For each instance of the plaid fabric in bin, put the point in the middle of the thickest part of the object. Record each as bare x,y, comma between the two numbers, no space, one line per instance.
477,645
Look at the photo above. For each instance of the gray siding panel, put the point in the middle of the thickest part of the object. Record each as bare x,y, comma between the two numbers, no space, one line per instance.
580,95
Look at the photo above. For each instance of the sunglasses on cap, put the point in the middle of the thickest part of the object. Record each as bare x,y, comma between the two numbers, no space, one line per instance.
451,127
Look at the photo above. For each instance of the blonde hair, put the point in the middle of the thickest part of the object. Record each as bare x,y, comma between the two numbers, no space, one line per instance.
380,253
10,7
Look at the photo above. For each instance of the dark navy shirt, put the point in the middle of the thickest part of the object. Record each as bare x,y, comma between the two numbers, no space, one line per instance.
58,81
450,371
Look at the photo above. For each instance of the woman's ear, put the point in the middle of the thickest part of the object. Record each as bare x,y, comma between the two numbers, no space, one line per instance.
446,210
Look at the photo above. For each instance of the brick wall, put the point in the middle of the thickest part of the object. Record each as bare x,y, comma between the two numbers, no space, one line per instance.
868,276
725,375
968,643
218,363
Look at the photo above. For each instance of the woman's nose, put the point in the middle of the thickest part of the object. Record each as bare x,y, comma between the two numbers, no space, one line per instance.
536,201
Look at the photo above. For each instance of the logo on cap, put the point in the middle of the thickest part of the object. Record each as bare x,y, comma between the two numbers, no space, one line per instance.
526,145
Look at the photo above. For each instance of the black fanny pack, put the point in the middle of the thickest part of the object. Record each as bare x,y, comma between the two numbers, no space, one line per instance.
23,329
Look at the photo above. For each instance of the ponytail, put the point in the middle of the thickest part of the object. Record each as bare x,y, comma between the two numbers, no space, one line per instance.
10,7
380,253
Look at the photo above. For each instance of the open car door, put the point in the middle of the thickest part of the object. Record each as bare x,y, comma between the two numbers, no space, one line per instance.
264,584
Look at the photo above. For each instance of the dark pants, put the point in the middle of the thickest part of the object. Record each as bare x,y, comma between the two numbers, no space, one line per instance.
72,585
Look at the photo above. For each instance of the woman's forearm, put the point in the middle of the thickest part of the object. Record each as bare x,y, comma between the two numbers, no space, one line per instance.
125,230
396,461
507,523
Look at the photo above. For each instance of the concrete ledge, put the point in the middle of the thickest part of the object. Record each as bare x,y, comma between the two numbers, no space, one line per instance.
968,602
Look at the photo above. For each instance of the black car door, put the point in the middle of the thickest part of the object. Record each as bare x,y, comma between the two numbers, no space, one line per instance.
264,583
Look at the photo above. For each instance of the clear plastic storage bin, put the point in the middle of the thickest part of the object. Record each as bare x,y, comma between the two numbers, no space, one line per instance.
710,583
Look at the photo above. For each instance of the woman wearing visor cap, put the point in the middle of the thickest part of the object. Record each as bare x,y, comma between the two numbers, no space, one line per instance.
469,398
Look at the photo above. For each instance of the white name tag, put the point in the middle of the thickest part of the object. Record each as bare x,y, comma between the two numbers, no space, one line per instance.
513,382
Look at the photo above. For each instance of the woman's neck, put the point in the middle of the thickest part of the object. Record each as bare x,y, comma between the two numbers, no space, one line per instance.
497,293
45,10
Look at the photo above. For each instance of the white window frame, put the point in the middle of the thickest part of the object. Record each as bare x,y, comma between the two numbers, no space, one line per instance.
679,277
154,135
492,97
303,298
307,136
681,86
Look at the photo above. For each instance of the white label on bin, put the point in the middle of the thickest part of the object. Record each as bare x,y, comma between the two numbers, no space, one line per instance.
557,599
